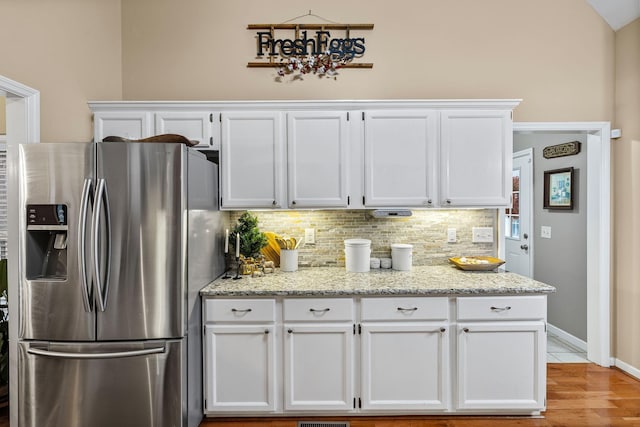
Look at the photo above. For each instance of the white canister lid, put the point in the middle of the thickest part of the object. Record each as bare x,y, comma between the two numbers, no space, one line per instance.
357,242
401,246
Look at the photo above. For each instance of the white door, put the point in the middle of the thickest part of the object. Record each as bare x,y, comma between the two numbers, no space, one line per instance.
501,365
317,159
318,367
400,158
251,160
518,219
200,126
475,151
404,366
240,368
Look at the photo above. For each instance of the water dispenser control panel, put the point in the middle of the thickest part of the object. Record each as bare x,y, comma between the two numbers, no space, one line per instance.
47,215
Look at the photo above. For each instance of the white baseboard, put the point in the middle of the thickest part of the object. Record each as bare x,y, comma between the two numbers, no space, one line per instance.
566,336
631,370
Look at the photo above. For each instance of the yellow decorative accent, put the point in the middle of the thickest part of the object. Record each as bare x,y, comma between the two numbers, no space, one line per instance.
477,263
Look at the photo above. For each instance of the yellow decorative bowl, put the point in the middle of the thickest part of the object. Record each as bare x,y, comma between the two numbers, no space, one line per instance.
477,263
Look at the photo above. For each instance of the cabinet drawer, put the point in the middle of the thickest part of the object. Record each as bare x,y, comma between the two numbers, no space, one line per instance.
419,308
508,308
240,310
318,309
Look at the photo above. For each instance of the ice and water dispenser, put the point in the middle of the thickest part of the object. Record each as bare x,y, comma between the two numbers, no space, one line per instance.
46,242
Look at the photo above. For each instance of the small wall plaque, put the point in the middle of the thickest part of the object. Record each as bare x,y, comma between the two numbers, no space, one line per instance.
561,150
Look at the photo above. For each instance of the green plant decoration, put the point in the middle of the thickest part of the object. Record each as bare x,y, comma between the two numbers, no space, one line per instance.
251,238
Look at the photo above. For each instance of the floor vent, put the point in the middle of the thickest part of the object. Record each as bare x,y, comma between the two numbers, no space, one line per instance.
323,423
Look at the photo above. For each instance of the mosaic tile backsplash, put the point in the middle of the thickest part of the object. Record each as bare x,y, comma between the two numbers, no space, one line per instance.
425,230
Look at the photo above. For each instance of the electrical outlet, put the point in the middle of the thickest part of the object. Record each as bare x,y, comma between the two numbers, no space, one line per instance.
451,235
482,234
545,232
309,236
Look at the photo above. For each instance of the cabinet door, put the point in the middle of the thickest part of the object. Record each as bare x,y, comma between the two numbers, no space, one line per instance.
127,124
317,144
251,160
400,150
239,368
475,149
405,366
318,367
195,125
501,365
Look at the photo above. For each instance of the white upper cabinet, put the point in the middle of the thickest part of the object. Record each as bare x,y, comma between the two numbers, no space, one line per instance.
310,154
251,160
475,150
400,155
199,126
317,154
126,124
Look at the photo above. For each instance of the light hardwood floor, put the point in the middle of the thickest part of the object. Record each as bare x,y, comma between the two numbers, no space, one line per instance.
578,395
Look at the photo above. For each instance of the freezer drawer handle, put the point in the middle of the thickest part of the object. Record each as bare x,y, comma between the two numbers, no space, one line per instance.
114,355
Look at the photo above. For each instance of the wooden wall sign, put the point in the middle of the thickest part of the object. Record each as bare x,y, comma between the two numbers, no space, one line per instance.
310,48
561,150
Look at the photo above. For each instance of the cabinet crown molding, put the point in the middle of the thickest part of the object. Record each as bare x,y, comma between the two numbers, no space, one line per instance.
305,104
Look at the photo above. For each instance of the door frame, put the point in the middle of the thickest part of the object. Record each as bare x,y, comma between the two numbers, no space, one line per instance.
23,126
598,149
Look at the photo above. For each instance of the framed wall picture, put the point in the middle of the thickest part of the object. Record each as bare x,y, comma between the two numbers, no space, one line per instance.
558,189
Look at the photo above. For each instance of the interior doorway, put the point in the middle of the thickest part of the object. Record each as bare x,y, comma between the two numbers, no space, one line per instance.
22,126
598,207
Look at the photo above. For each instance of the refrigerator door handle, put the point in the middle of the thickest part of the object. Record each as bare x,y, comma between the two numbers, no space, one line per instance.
82,239
85,356
102,204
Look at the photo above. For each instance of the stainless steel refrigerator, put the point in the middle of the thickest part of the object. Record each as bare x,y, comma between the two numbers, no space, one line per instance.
116,239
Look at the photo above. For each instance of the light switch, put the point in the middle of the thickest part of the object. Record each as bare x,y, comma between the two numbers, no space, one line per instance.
482,234
545,232
309,236
451,235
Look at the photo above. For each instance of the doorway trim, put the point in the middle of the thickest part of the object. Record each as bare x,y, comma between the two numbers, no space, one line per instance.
23,126
598,149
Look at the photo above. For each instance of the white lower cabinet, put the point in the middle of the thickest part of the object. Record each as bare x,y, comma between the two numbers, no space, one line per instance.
240,366
375,355
501,365
318,367
404,366
501,353
239,356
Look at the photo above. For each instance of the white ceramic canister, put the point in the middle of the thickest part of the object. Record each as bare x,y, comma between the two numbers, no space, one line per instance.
385,262
401,256
288,260
357,255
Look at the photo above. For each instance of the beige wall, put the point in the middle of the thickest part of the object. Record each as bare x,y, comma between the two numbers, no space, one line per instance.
3,113
626,182
70,51
556,55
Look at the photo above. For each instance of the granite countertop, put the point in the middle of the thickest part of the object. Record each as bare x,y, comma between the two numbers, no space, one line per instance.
332,281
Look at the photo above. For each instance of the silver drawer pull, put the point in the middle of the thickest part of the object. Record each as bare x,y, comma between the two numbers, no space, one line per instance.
246,310
500,308
324,310
407,309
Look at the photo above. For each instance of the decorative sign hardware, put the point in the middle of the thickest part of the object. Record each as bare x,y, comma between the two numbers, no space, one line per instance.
561,150
313,48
